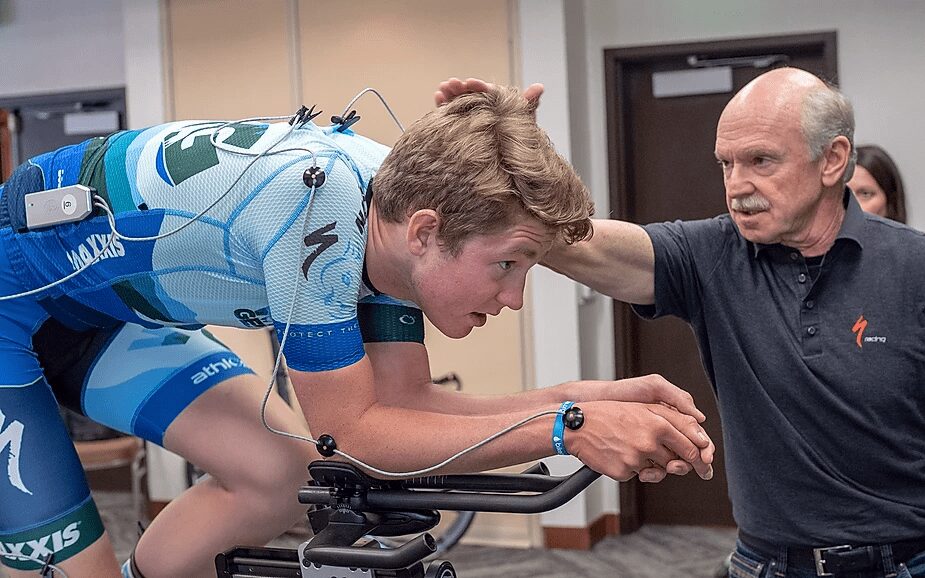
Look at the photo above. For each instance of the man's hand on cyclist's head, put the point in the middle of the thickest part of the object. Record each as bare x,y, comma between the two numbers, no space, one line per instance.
453,87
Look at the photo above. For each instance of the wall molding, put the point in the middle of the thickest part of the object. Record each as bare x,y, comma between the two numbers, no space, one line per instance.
581,538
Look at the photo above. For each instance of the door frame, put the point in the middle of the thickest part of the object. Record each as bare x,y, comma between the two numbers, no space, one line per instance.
6,147
616,61
59,102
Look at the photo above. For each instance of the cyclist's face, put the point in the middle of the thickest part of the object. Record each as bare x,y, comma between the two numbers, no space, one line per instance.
458,293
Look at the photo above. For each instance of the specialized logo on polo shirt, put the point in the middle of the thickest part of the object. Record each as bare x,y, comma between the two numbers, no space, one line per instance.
859,326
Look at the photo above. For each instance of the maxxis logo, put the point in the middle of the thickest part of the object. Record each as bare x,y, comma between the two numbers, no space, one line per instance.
58,540
42,547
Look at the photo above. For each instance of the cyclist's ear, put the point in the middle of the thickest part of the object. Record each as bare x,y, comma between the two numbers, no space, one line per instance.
423,229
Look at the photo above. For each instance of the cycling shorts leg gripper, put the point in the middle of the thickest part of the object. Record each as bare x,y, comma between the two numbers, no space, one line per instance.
62,538
45,503
142,379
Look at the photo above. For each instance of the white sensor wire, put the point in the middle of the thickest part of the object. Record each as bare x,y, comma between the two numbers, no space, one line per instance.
56,570
381,99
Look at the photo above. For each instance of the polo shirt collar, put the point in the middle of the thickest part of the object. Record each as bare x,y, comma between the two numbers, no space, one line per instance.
851,228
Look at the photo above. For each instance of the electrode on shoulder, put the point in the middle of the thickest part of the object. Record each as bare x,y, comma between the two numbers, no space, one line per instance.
56,206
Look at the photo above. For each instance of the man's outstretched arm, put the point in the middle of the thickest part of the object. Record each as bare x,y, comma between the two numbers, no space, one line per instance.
617,261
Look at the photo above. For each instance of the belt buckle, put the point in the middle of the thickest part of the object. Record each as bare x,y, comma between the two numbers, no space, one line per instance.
820,561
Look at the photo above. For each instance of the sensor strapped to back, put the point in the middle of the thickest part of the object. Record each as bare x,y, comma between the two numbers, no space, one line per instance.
57,206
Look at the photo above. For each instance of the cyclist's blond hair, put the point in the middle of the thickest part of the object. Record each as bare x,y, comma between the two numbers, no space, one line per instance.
482,163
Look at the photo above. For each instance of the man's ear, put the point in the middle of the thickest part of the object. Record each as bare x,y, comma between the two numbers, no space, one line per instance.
422,231
835,161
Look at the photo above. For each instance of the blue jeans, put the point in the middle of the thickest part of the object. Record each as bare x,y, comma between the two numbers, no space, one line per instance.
748,564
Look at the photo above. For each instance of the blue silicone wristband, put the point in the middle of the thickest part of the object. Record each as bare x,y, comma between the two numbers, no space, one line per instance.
558,429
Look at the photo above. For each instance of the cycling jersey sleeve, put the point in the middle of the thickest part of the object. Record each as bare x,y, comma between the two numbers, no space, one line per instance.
383,319
313,269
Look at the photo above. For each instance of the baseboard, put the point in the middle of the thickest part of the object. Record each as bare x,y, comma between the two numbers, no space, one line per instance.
581,538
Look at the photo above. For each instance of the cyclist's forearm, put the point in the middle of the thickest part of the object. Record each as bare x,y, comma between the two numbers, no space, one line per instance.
437,399
402,440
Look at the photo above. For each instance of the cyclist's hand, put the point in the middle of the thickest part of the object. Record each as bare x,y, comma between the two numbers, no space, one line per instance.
645,389
621,439
453,87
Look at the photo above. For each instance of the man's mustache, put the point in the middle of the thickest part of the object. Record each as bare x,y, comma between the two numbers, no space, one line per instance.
750,204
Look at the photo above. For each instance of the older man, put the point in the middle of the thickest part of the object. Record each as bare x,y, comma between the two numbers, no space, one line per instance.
810,316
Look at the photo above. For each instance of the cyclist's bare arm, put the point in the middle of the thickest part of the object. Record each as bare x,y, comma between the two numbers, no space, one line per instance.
617,441
415,390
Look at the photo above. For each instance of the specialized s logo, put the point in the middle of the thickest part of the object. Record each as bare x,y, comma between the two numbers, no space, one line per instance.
859,327
11,436
321,239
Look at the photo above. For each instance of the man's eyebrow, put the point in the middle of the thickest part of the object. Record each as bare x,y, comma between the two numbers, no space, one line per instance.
529,253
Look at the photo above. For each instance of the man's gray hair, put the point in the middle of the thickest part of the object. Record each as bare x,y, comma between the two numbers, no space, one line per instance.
827,114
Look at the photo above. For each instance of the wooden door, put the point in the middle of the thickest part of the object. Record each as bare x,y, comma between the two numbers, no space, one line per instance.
662,168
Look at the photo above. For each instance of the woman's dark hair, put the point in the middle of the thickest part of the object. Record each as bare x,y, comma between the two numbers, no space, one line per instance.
883,169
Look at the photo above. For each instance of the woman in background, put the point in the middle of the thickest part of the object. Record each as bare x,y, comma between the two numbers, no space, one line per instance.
877,185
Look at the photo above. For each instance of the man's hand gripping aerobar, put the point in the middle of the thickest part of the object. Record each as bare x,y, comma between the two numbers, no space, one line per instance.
470,198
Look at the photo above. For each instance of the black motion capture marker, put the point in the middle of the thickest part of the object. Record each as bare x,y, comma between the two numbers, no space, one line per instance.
574,418
326,445
313,177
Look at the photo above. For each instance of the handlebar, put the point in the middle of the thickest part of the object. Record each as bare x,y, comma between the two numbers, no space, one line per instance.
350,505
476,492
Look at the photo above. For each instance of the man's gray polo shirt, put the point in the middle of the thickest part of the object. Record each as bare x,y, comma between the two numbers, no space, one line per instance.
821,385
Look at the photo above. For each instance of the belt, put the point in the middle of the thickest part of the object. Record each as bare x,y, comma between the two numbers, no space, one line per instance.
832,560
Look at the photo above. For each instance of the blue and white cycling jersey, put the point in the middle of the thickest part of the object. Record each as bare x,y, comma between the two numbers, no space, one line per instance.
116,346
240,264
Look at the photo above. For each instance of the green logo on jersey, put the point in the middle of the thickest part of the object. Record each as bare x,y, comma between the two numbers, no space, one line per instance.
189,151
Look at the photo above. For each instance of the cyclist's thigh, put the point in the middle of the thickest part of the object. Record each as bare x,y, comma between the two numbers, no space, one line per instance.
138,380
45,503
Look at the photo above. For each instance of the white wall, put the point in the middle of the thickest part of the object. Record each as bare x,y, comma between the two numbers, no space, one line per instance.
49,46
557,356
